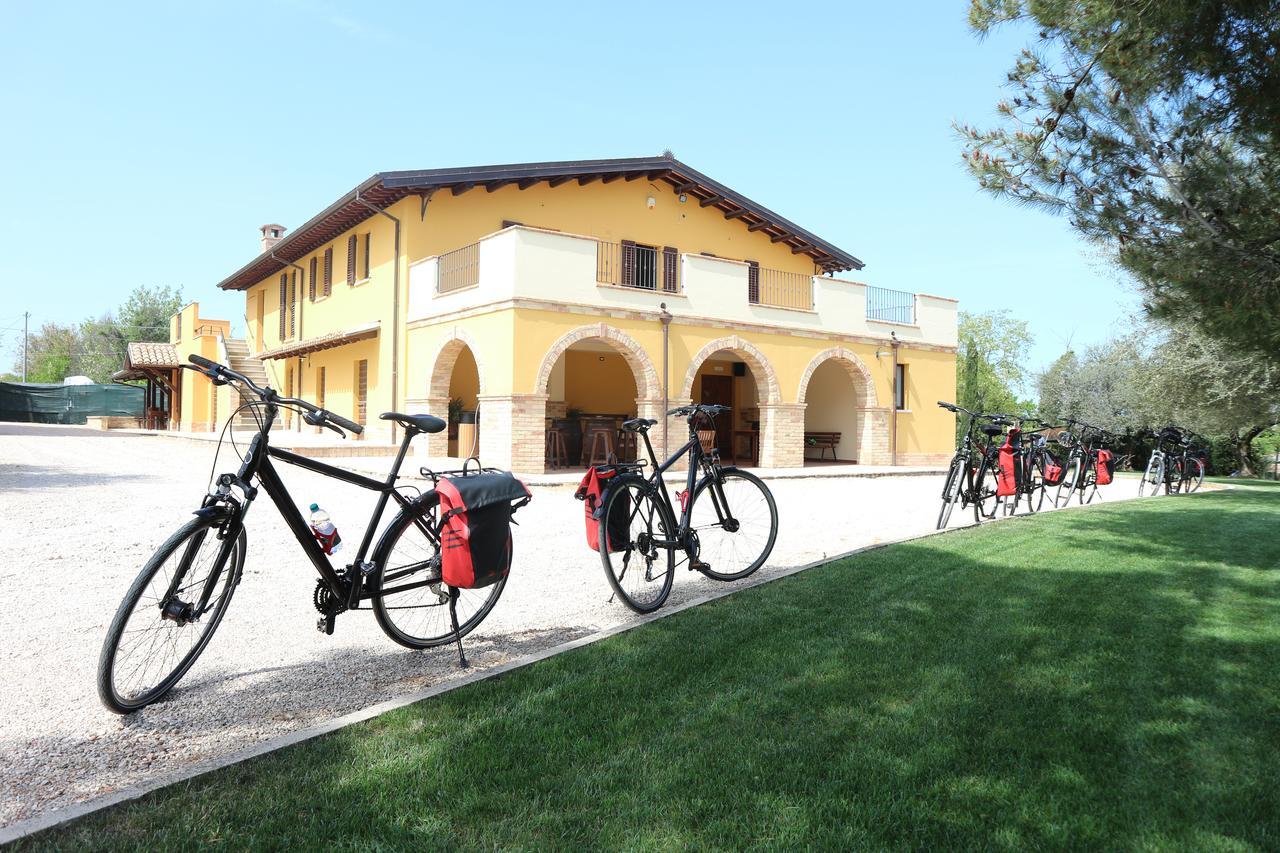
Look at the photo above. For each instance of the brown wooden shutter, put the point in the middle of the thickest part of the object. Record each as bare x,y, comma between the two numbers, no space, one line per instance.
367,237
753,282
628,263
670,269
284,302
351,259
293,305
311,289
328,271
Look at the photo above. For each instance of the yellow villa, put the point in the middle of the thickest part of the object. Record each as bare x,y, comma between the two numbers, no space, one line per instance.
550,300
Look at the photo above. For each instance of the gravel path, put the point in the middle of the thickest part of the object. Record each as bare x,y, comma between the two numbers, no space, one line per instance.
87,508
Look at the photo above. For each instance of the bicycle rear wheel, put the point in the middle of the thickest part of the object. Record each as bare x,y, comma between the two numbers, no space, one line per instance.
160,627
1152,478
951,490
986,503
1035,483
1195,475
1071,475
410,599
633,552
736,537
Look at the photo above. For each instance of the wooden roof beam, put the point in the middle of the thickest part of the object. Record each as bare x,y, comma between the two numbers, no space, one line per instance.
608,179
459,189
757,226
653,176
562,179
586,179
778,238
710,200
685,186
528,182
734,214
803,247
494,186
635,176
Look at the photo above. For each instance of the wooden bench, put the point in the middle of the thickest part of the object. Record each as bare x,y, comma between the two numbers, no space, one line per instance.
822,442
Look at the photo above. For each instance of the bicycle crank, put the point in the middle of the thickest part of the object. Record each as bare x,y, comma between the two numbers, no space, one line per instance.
329,606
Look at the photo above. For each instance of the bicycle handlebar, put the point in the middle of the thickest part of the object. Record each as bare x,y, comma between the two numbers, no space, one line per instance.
221,374
710,409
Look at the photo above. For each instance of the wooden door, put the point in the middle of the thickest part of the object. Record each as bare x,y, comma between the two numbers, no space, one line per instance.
719,390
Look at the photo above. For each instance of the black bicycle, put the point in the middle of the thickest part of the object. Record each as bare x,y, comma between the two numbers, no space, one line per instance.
1081,441
173,607
728,519
973,477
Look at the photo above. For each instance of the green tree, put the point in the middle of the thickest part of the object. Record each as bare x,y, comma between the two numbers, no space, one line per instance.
1154,127
51,353
992,349
145,314
1193,379
101,348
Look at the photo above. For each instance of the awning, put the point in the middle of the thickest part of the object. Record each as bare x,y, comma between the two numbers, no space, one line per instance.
329,341
143,359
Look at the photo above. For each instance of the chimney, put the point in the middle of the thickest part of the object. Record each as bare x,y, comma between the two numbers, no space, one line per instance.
271,234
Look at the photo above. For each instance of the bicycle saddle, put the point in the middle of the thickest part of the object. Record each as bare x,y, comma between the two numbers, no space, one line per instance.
418,423
638,424
992,429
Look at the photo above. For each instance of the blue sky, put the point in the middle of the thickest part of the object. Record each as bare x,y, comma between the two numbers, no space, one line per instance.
145,144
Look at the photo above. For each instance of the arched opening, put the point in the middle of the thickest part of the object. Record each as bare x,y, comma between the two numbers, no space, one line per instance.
590,392
456,386
838,395
594,378
736,379
464,402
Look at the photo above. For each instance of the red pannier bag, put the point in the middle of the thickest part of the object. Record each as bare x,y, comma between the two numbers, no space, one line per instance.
1105,467
1052,470
475,534
1007,472
592,491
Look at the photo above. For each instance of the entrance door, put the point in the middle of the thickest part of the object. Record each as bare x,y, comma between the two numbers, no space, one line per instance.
719,390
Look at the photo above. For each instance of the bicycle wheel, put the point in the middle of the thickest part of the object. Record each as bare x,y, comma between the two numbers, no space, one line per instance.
1071,474
633,560
1195,475
1035,483
986,503
1152,478
159,629
951,490
1090,488
734,537
410,601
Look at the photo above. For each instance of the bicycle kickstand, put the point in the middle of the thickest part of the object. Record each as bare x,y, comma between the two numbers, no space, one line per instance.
453,617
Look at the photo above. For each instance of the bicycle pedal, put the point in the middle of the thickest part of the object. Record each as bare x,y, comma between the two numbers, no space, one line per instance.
698,566
325,624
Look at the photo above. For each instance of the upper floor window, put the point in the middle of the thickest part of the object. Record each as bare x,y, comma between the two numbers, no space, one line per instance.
357,257
646,267
328,271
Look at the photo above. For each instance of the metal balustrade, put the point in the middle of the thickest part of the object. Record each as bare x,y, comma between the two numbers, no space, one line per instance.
891,306
458,269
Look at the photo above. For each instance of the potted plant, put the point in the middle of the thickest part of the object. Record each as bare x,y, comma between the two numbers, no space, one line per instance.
455,412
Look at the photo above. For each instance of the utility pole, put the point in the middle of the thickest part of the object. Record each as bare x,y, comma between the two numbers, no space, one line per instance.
26,316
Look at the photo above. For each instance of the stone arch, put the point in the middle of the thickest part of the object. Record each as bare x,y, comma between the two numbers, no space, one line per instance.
853,365
446,356
646,376
761,369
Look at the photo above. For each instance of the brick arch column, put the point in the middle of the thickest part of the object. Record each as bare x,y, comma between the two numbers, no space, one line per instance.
872,418
442,364
781,424
648,386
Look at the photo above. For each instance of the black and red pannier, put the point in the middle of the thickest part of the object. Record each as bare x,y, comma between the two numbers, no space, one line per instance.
1052,470
1105,467
1007,470
475,526
593,491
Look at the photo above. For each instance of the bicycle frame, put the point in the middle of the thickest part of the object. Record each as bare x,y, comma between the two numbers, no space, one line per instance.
693,449
257,464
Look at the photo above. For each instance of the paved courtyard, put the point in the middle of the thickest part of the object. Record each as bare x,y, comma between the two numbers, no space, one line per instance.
86,509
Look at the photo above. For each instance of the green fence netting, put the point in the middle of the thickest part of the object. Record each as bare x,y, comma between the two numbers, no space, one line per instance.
68,404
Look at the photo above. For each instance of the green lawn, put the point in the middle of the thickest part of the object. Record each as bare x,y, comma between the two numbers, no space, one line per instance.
1099,678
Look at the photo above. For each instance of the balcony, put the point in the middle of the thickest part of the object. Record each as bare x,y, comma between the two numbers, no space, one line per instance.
536,268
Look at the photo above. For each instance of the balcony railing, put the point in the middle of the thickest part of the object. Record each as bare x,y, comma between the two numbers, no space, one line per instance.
638,266
779,289
891,306
458,269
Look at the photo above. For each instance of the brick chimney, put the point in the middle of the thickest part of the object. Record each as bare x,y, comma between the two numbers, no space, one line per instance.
271,234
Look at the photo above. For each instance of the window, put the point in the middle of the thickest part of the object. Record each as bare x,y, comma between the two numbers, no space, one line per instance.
353,244
328,271
753,282
315,267
357,258
362,390
284,303
900,387
293,305
639,265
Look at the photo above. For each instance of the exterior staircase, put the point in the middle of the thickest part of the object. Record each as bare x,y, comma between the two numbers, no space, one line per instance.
242,362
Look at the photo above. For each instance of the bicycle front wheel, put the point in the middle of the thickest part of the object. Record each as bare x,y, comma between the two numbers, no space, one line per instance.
1195,475
169,615
951,491
986,503
410,599
736,522
1071,475
1152,478
637,545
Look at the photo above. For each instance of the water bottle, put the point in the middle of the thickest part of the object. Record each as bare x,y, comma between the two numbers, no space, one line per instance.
326,534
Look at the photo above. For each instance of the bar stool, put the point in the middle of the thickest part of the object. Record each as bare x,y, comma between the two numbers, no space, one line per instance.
597,444
557,454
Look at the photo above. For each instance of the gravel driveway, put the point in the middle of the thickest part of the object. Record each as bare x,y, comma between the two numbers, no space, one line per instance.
87,508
